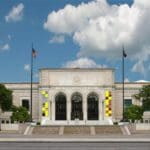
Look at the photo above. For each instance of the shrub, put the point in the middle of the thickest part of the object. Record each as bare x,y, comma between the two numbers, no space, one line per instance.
20,114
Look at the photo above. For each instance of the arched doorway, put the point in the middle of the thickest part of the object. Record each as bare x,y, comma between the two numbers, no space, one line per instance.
60,107
76,109
92,106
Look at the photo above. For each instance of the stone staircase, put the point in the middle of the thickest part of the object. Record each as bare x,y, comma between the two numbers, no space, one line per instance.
76,130
46,130
105,130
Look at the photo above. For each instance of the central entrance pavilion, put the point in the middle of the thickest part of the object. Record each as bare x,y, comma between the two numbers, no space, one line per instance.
76,96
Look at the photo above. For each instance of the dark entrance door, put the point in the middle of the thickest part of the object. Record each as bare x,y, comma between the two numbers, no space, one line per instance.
92,107
76,103
60,107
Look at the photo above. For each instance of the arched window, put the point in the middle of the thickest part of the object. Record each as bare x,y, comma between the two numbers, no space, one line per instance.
60,106
76,109
92,106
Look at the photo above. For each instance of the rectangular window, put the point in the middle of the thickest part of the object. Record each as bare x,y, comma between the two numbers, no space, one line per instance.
25,103
145,105
127,103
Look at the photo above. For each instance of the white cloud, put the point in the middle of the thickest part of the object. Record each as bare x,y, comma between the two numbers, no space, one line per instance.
83,63
36,75
27,67
15,14
139,67
139,81
57,39
9,37
100,29
5,47
126,80
71,18
143,3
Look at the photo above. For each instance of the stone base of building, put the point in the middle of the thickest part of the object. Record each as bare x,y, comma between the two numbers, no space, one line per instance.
77,122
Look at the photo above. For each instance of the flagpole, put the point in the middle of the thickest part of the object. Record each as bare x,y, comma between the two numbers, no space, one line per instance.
31,81
123,80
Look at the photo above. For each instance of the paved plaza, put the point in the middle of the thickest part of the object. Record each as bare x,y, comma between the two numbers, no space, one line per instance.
15,141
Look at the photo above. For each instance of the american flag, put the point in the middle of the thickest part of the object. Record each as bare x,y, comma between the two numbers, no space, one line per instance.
124,54
34,53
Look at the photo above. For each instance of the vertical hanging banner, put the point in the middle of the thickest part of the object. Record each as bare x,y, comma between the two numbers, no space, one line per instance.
45,109
45,105
108,101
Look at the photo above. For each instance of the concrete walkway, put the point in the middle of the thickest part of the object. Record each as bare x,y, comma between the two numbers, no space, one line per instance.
72,138
61,137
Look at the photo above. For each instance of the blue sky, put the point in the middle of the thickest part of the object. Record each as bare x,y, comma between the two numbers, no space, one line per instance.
77,33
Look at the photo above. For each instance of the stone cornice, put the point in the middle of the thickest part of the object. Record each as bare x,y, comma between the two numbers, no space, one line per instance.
36,89
126,83
76,69
130,88
82,86
19,83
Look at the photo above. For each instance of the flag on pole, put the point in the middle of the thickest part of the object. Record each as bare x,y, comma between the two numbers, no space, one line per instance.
124,54
34,53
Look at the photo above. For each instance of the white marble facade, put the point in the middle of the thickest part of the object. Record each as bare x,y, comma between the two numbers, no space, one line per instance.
70,81
78,83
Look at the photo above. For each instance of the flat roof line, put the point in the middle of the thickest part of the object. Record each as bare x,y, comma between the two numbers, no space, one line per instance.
76,69
19,83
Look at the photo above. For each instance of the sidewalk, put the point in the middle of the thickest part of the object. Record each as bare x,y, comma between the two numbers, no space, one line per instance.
73,138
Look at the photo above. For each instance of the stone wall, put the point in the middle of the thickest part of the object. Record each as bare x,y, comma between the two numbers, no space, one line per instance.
76,77
9,127
22,91
143,126
130,89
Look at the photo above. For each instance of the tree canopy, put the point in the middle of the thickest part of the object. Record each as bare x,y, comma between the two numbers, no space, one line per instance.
144,95
5,98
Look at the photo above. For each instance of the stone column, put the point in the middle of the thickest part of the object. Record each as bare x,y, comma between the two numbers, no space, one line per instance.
102,100
68,108
100,109
50,110
53,110
84,107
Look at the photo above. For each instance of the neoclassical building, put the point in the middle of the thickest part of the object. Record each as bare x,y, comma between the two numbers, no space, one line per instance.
76,96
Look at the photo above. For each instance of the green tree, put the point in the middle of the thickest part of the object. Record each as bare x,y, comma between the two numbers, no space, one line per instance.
133,113
144,95
5,98
19,114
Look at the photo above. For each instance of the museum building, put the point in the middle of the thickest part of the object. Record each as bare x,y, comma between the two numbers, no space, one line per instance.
76,96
